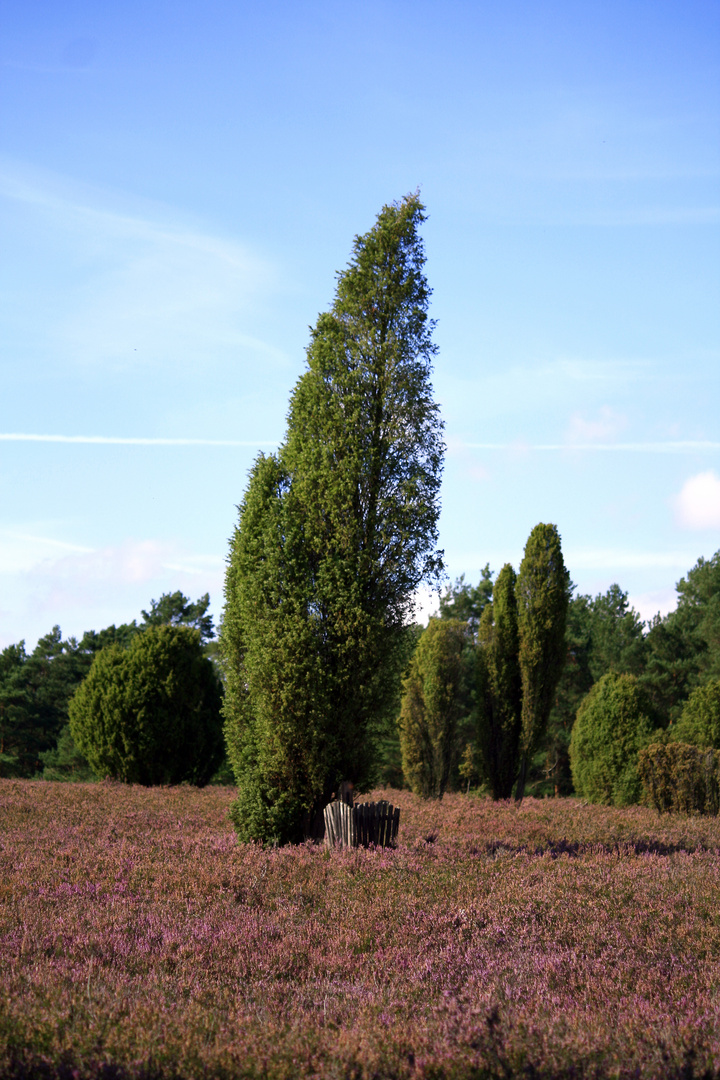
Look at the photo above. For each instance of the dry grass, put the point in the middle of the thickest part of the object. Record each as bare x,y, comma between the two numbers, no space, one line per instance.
137,938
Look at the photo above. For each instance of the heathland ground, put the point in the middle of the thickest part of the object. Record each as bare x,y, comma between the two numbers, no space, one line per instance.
138,938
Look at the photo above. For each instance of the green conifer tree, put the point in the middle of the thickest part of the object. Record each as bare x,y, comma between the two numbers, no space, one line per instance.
336,532
500,687
543,595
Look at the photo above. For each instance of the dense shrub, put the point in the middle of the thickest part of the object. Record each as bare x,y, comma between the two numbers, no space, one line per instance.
612,725
682,777
150,714
700,720
434,699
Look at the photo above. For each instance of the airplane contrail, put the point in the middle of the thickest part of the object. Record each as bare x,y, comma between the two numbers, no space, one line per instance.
119,440
675,447
669,447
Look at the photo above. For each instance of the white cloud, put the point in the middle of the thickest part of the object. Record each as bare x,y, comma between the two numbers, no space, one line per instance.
650,604
46,581
697,506
21,551
606,425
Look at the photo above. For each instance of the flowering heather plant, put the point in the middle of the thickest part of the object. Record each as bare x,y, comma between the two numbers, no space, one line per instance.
138,938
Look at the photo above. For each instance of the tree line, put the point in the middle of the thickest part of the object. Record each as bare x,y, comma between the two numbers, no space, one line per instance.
618,683
130,687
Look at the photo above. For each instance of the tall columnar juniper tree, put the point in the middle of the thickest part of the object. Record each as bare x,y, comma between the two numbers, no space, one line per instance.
499,685
336,532
543,594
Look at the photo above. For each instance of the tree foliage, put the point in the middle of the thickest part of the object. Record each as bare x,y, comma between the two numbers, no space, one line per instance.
680,776
700,720
683,647
467,602
543,595
603,633
175,609
335,534
500,687
150,713
613,723
434,700
35,690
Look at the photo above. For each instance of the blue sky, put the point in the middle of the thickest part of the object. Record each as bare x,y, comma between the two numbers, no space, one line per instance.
179,183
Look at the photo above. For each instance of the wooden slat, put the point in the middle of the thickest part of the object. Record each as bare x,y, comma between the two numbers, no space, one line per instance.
362,824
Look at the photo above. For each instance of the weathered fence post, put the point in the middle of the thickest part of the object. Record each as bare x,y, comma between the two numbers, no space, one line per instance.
361,825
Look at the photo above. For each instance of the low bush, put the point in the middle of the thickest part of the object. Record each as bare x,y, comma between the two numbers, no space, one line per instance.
150,714
611,726
681,777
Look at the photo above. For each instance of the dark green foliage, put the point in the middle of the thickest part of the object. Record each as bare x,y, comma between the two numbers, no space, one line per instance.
467,602
683,648
500,687
616,634
93,641
602,634
384,732
435,697
34,693
674,655
543,595
35,689
276,695
700,720
174,609
150,713
699,604
612,725
65,761
336,532
680,776
18,737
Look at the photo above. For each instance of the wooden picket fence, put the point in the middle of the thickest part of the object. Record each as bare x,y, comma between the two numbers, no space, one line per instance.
361,825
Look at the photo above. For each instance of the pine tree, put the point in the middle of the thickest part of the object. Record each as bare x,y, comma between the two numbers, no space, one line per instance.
336,532
543,595
500,687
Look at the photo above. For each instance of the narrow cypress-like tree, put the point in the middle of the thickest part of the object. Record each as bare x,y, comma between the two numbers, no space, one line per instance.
336,532
543,595
500,687
434,699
